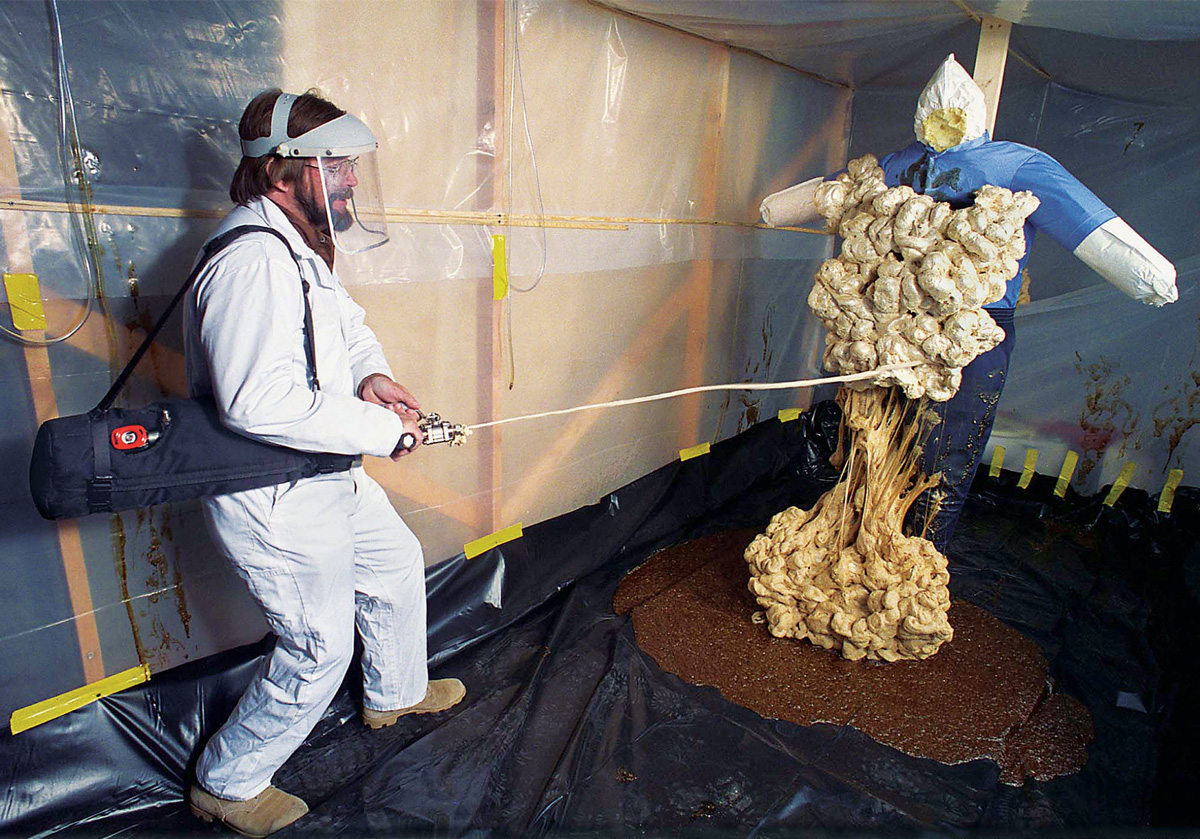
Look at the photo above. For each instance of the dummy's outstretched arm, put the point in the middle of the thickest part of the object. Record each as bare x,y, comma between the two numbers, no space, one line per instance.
1116,252
793,207
1113,250
1077,219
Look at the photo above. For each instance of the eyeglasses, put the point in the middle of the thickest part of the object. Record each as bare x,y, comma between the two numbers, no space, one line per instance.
340,169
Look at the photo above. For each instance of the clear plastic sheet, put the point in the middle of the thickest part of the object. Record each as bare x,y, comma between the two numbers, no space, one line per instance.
631,297
628,136
831,39
1172,20
1083,379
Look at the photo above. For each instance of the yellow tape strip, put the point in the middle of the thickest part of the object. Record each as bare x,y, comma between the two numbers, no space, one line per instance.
1174,477
25,301
694,451
789,414
1121,482
48,709
1066,473
997,462
499,268
1031,456
486,543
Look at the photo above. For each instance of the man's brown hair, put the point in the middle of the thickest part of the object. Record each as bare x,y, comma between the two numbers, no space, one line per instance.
256,175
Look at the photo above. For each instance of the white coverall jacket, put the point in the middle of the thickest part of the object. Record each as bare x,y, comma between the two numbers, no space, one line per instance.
321,555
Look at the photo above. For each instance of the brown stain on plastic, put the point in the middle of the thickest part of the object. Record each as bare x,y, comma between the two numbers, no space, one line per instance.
167,376
1106,416
164,579
139,327
121,566
102,304
986,694
1179,413
181,608
749,415
754,371
761,370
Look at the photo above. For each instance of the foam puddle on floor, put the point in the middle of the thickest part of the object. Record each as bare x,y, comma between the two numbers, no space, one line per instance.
986,694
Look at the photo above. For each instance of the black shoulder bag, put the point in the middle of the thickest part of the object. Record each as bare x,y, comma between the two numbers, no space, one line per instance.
113,459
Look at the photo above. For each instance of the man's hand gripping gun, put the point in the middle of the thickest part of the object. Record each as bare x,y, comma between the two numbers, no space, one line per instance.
436,430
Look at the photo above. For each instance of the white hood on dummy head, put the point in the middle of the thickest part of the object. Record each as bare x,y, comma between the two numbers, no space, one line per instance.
951,109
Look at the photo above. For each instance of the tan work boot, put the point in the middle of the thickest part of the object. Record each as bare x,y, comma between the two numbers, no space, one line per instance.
269,811
442,694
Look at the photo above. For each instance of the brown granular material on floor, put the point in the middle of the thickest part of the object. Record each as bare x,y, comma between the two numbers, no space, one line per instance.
987,694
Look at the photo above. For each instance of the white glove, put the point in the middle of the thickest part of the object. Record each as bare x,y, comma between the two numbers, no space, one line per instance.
1116,252
793,206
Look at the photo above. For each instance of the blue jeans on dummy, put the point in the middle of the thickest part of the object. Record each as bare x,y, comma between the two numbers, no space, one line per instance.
955,445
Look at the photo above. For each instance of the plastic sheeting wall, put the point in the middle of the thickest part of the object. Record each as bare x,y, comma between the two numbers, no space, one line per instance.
623,132
1110,89
1094,371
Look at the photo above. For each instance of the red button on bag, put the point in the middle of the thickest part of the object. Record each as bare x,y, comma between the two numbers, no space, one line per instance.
129,437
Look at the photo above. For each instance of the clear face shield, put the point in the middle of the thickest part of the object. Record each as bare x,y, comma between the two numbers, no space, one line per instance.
343,150
353,201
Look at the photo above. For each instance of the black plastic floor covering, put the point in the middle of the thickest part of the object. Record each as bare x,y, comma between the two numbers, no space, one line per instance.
569,729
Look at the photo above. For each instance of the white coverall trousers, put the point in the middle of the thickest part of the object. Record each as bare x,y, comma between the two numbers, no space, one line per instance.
322,556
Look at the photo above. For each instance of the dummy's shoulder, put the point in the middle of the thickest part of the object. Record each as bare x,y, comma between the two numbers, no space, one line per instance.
897,162
910,152
1017,153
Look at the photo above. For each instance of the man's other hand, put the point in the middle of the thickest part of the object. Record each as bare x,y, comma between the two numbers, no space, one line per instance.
379,389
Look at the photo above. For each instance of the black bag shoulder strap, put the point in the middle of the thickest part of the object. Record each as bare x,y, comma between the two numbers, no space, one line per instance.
210,249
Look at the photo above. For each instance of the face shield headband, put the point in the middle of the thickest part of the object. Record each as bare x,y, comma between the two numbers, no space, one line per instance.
344,150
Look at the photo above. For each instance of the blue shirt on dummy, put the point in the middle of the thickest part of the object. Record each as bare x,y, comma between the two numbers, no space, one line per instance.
1069,210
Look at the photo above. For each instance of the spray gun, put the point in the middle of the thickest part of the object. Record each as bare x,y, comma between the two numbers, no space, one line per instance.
436,430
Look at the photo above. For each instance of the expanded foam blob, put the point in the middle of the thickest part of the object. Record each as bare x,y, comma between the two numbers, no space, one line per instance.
912,278
843,575
908,286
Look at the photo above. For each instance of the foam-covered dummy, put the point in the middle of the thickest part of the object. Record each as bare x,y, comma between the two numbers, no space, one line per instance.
952,159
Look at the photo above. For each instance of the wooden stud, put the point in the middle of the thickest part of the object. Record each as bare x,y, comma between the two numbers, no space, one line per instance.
45,406
701,280
990,59
489,218
493,88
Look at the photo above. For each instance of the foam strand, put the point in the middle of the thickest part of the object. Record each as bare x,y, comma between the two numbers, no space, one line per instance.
798,384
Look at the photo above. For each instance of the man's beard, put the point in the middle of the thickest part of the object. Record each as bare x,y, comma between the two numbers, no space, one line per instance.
314,208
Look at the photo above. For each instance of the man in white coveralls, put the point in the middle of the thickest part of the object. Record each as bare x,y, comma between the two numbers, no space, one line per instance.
327,554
